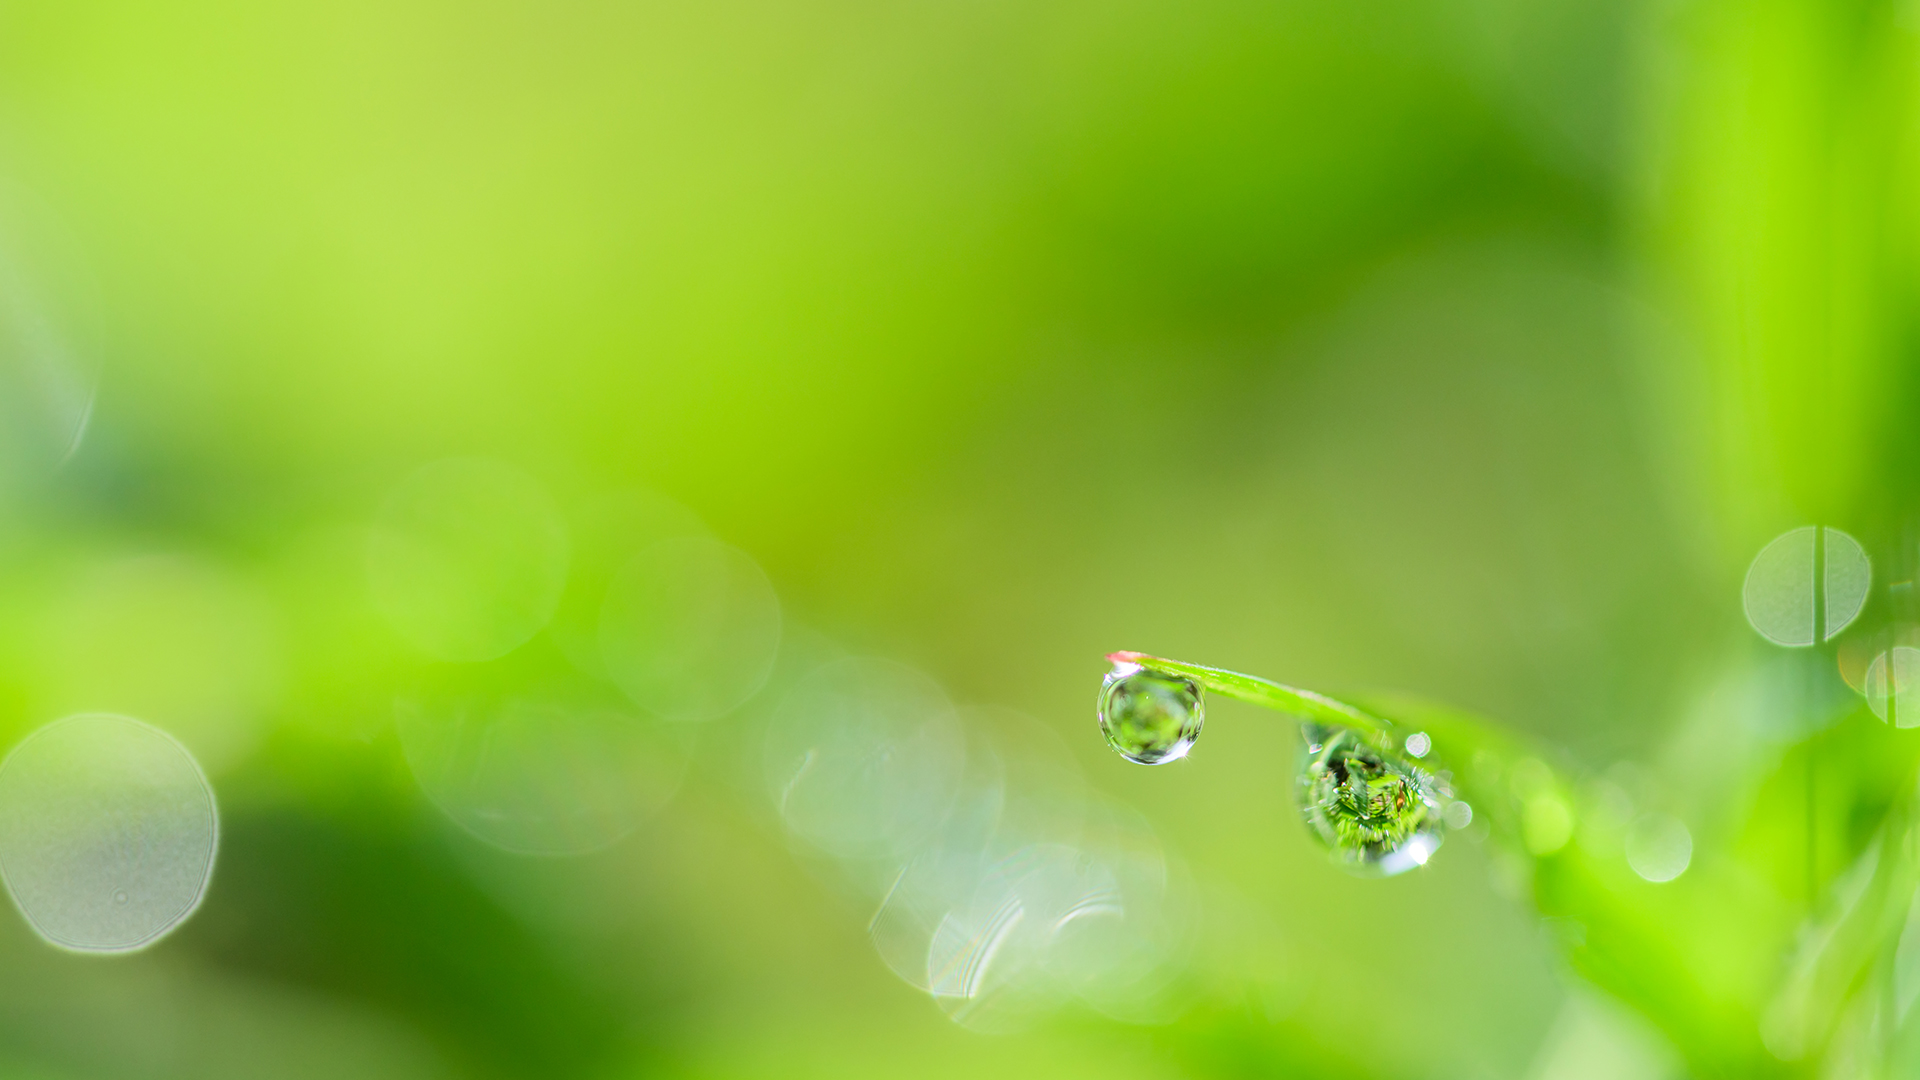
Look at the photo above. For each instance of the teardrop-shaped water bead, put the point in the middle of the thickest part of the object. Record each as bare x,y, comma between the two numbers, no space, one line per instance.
1378,813
1149,716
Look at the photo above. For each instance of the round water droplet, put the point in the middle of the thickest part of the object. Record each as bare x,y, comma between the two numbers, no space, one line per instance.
107,832
1149,716
1779,589
1892,686
1375,811
468,559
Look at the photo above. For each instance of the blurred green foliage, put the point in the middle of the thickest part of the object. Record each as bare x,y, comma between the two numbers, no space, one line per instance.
1469,348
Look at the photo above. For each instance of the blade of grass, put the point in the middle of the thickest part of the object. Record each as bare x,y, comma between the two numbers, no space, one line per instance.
1265,693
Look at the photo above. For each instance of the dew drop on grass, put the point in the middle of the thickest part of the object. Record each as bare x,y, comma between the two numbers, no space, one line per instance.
1375,811
1148,716
107,832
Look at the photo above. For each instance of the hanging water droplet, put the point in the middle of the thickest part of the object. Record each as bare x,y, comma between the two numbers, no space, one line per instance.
1377,812
1149,716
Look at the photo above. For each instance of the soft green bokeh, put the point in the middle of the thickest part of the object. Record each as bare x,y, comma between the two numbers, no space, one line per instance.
1467,349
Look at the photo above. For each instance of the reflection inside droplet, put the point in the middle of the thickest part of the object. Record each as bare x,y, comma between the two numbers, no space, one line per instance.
467,559
689,628
107,832
1375,811
1149,717
1779,589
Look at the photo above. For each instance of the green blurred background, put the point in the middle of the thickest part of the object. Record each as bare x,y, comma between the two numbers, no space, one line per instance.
1468,348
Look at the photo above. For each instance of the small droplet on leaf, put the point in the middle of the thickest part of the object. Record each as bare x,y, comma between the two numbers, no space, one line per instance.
1149,717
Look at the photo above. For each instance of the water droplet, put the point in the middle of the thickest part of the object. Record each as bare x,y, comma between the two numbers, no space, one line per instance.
1458,814
1374,810
1659,848
1419,743
1778,592
1149,716
107,832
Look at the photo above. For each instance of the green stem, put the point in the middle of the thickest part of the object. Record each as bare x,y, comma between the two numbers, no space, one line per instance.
1270,695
